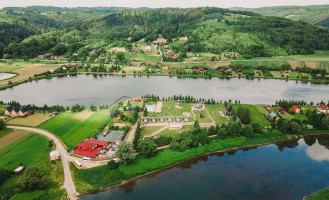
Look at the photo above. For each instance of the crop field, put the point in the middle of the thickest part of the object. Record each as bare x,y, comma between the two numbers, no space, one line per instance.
28,151
28,71
73,130
276,74
31,120
11,136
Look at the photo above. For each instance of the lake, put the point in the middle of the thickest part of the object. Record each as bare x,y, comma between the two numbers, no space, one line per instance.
4,76
104,89
282,171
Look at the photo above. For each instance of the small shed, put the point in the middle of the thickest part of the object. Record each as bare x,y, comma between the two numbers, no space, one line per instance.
54,155
19,170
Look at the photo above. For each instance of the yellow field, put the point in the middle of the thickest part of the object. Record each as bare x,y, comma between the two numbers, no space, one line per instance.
83,115
11,137
31,120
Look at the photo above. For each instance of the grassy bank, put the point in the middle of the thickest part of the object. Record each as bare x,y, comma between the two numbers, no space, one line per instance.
93,179
321,195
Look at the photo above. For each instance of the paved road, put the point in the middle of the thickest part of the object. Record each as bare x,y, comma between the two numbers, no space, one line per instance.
68,182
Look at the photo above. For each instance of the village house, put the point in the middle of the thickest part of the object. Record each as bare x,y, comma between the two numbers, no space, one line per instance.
113,137
153,119
133,62
169,119
273,116
14,112
133,52
54,155
189,53
177,118
148,48
147,62
165,68
40,56
323,109
174,56
63,43
169,50
137,100
295,109
185,119
161,119
160,41
175,127
144,119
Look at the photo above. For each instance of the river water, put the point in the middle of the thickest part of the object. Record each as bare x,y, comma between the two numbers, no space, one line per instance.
282,171
104,89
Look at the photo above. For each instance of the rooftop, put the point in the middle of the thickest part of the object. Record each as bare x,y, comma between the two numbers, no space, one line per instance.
113,136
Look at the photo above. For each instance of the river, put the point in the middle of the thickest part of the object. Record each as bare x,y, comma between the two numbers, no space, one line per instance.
104,89
282,171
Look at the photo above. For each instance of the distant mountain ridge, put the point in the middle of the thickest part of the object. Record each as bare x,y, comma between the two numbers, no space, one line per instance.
315,14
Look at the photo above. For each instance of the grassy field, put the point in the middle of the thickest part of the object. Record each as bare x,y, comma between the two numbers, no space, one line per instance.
169,109
5,132
205,118
146,132
300,116
73,128
10,136
31,149
170,133
214,113
31,120
27,152
256,114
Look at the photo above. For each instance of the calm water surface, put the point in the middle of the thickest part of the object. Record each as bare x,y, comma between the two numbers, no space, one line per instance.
95,89
4,76
283,171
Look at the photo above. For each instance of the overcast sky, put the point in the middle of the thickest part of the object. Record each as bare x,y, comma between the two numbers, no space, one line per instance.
159,3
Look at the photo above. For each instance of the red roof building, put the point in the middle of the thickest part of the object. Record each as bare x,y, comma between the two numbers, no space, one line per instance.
165,68
201,69
323,107
221,70
137,100
295,108
147,62
90,147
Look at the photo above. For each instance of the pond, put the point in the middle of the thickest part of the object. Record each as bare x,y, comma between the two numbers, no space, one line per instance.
286,170
4,76
104,89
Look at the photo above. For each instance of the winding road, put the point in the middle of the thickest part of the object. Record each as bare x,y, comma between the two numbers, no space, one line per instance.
68,181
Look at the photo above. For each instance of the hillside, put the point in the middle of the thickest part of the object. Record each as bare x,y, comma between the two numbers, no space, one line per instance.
211,30
312,14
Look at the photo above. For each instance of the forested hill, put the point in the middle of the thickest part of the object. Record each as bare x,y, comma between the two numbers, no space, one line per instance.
315,14
208,30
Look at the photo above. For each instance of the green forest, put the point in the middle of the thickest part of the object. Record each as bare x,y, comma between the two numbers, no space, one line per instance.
26,33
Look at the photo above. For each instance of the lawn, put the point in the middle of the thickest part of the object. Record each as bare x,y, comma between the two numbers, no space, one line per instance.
300,116
256,114
146,132
170,133
72,129
27,152
205,118
276,74
286,116
169,109
214,113
31,120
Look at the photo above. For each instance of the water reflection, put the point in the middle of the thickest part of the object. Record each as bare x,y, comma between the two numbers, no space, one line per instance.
319,148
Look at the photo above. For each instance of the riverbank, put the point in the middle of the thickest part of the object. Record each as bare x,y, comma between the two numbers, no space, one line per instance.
103,179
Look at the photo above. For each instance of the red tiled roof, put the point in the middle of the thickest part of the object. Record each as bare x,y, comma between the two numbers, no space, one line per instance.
201,69
147,62
137,100
165,68
85,145
95,142
323,107
295,107
86,152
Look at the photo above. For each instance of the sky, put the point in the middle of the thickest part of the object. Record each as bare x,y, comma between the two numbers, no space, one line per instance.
159,3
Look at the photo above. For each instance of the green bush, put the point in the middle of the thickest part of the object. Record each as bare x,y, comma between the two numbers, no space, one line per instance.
111,165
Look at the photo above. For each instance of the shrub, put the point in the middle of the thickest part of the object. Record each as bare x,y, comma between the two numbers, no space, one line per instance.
111,165
222,133
256,127
234,129
147,148
248,131
163,140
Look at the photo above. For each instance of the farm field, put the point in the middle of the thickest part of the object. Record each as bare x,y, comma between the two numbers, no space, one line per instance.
300,116
27,71
10,136
31,120
73,128
169,109
27,152
286,116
